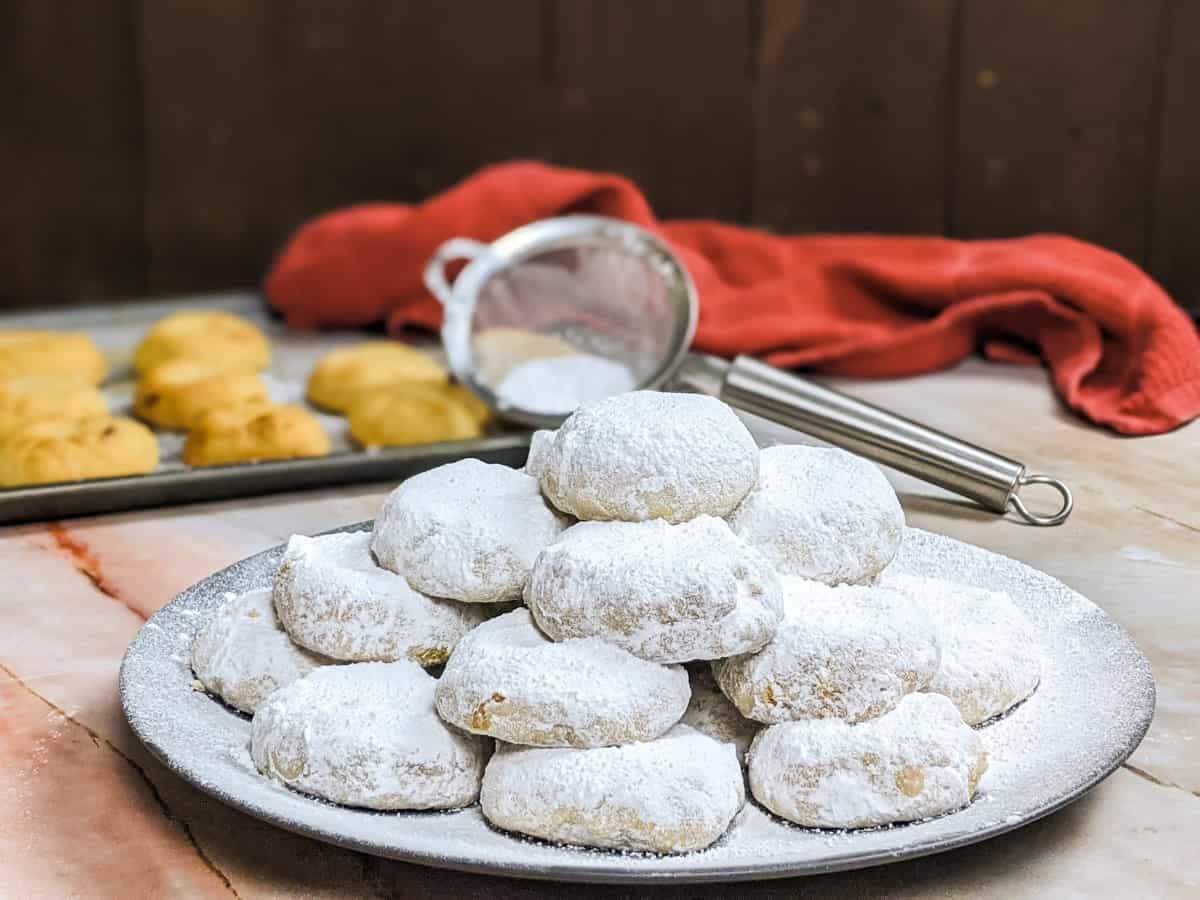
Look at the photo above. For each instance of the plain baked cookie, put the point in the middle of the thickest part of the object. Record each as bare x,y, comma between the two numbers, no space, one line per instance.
332,598
366,734
65,353
508,680
650,455
843,653
413,412
667,593
672,795
33,398
55,450
212,335
177,393
344,374
821,513
243,656
919,760
991,656
467,531
710,712
251,433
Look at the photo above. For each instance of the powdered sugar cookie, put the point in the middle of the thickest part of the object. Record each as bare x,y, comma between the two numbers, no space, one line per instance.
367,735
840,653
919,760
508,680
332,598
672,795
540,443
991,660
821,513
667,593
243,655
849,652
650,455
466,531
710,712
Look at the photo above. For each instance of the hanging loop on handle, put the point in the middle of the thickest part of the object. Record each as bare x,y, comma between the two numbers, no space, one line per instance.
1068,502
435,269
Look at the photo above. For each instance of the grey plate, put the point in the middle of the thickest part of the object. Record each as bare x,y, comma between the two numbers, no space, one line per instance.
1094,705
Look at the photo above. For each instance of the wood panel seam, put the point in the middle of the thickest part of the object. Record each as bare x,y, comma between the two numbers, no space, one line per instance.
1154,127
954,63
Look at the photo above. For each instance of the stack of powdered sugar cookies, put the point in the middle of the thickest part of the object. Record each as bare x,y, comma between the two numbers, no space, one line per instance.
650,608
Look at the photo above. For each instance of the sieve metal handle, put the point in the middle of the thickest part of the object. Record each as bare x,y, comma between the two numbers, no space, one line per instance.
992,480
435,269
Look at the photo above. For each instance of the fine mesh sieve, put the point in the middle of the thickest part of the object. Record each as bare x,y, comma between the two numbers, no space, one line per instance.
572,309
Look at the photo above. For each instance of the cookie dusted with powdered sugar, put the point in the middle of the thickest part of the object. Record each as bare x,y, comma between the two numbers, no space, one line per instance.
243,656
508,680
667,593
991,658
672,795
540,443
650,455
711,712
466,531
821,513
850,652
331,597
918,761
367,735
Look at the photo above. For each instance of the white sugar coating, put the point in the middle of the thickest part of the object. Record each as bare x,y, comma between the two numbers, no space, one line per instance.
711,713
672,795
366,734
821,513
667,593
650,455
849,652
554,385
991,655
918,761
331,597
466,531
1091,708
540,443
243,656
508,680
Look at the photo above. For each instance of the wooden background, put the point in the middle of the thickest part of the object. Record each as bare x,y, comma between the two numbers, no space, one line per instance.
151,146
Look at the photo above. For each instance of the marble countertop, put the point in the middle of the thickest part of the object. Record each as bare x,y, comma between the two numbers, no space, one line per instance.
87,812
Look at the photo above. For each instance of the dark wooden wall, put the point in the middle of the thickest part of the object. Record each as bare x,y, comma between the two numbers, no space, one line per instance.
151,146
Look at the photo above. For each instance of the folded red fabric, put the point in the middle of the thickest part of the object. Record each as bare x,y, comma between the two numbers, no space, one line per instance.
1120,352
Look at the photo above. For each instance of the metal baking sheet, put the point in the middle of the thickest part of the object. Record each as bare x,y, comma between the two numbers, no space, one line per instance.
1088,715
117,330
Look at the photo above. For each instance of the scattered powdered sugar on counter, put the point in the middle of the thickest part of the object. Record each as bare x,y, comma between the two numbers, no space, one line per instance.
1089,712
558,384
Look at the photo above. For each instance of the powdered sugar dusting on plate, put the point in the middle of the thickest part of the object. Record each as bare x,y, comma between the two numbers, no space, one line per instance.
1091,709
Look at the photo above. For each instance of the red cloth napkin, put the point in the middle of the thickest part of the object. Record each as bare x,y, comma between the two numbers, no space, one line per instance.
1120,351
